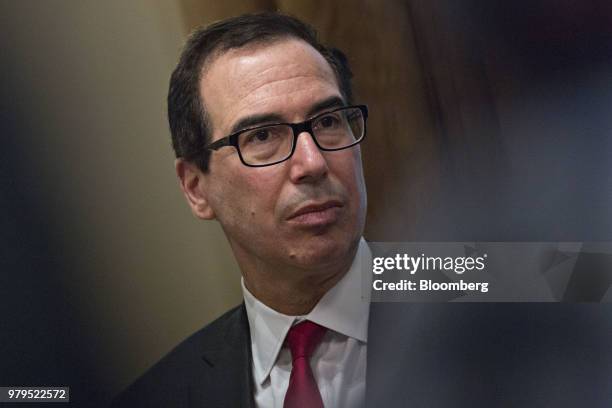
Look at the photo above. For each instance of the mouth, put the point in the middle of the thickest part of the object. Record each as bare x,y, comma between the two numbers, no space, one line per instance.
316,214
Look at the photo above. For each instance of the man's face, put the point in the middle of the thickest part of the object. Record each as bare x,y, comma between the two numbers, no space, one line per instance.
306,212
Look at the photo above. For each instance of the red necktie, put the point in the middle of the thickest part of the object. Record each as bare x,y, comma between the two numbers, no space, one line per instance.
302,340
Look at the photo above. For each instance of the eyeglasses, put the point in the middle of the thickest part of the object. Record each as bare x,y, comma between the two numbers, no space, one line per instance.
271,144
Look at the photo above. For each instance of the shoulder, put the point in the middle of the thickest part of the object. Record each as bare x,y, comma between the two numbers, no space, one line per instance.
169,381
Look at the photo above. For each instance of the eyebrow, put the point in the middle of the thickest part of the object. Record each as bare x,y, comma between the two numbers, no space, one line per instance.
255,120
333,102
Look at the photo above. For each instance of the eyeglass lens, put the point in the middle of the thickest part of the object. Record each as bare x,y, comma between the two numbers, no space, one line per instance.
333,131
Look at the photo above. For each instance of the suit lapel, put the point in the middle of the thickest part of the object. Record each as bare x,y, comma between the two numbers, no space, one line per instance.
227,358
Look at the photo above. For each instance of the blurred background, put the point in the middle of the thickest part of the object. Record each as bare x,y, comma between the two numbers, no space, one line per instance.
490,120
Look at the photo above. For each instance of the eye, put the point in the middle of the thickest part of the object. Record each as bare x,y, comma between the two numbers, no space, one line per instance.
259,135
328,122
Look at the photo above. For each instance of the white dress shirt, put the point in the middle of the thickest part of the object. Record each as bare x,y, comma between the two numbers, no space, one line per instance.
339,362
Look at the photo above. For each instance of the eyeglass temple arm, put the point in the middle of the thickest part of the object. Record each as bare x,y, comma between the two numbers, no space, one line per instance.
219,143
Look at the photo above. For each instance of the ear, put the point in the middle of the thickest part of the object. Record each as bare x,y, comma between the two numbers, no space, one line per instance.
194,185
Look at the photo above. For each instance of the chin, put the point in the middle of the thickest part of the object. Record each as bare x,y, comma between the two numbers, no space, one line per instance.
320,251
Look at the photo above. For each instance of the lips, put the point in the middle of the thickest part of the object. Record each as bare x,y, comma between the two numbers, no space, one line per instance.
316,214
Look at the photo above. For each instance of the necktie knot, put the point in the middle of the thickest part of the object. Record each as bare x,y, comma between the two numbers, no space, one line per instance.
303,339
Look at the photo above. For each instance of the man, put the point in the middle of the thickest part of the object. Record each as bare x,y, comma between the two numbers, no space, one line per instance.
267,141
267,144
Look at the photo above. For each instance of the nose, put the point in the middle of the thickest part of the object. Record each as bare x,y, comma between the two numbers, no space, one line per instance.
308,165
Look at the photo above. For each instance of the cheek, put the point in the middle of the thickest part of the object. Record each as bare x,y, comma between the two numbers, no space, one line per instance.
350,174
349,170
251,194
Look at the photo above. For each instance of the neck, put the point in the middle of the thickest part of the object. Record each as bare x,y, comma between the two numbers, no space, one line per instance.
294,291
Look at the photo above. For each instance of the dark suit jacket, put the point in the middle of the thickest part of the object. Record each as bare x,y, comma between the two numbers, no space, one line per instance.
419,355
212,368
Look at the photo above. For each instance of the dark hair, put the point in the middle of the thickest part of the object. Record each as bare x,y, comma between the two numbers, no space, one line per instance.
186,114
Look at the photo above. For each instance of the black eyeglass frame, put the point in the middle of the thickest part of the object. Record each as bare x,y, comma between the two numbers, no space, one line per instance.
298,128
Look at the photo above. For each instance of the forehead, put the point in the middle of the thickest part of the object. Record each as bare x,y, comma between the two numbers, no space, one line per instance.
286,78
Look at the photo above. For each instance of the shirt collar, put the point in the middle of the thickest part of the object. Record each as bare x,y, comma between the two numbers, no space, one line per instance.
342,309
